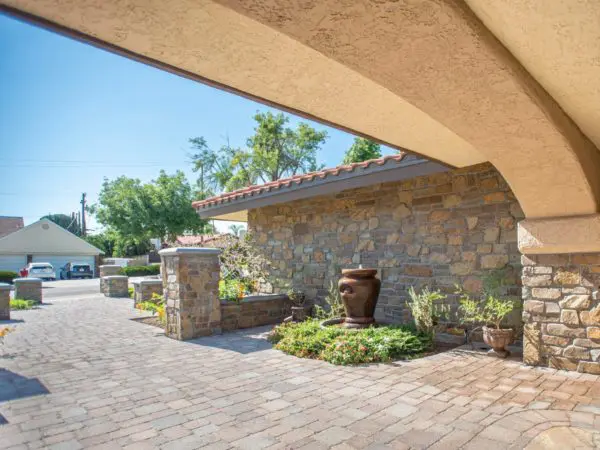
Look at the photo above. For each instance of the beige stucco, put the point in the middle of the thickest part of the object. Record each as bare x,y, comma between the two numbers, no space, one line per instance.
426,75
560,235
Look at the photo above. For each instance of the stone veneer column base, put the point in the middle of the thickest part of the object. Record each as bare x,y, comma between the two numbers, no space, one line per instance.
107,270
191,290
561,311
4,301
116,286
28,289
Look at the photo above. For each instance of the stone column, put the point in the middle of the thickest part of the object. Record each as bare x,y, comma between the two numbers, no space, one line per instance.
28,289
561,309
107,270
143,290
191,290
5,301
115,286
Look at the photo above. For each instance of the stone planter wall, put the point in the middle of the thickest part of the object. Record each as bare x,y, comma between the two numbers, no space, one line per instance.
116,286
5,301
254,311
28,289
143,290
435,230
562,311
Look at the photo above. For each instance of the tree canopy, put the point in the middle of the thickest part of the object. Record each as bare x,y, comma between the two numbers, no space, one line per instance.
274,151
65,221
139,211
362,150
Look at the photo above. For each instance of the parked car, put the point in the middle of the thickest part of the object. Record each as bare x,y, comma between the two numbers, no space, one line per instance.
76,270
42,270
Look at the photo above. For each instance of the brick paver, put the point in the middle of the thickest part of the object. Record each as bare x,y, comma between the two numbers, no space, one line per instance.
78,373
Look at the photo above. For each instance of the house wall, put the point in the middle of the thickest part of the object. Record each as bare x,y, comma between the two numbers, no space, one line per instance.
436,230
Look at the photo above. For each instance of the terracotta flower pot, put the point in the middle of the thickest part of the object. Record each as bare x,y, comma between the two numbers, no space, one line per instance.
498,340
359,289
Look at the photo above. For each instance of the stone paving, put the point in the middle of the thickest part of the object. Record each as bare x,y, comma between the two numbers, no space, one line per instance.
79,374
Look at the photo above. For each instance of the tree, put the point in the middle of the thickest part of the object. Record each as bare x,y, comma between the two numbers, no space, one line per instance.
67,222
113,244
159,209
236,229
274,151
362,150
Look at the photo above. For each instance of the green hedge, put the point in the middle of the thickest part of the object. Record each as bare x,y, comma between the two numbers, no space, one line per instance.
140,271
7,276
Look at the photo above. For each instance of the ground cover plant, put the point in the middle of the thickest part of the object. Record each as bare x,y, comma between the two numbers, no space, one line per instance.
339,346
18,303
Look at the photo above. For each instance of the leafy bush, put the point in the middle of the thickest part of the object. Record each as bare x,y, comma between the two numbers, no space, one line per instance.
18,303
140,271
148,306
232,290
340,346
242,261
424,308
156,305
6,276
492,310
130,291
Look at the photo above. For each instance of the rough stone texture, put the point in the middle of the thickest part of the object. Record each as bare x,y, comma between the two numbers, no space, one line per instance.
570,322
191,291
28,289
107,270
82,375
254,311
433,230
115,286
143,290
4,301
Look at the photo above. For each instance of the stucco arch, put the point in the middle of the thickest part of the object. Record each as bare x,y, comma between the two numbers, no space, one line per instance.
425,75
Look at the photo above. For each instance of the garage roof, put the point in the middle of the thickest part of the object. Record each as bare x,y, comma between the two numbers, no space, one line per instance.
45,237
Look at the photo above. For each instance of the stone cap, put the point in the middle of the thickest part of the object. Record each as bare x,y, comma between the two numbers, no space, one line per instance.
109,265
257,298
5,287
189,251
115,277
27,280
151,282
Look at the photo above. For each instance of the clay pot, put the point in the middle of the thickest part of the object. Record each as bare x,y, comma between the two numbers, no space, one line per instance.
359,289
498,340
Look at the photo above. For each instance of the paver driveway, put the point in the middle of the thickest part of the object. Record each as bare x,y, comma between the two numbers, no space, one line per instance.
81,374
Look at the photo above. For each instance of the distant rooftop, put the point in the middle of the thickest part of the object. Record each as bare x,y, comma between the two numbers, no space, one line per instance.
10,224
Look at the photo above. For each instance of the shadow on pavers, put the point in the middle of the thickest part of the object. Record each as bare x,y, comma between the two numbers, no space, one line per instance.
14,386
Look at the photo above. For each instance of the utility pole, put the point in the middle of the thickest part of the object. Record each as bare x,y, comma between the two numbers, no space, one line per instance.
83,214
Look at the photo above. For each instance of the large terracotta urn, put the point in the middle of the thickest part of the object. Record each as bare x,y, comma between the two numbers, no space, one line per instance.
359,289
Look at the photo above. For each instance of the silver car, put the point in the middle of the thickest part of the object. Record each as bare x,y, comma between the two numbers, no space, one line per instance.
42,270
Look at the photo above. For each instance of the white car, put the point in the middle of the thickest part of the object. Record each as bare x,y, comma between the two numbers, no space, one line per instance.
42,270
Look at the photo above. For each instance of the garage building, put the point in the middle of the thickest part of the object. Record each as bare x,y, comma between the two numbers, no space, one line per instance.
44,241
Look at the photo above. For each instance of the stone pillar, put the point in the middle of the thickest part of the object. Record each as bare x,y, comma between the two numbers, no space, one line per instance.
561,311
191,290
107,270
28,289
143,290
5,301
115,286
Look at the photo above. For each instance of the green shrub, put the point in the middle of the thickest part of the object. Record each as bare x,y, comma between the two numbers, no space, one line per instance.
130,291
140,271
232,290
6,276
148,306
340,346
425,308
18,303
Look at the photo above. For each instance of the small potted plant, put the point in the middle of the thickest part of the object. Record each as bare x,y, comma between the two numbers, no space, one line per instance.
489,311
297,297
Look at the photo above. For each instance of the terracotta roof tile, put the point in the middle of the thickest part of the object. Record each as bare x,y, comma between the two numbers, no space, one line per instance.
9,225
295,180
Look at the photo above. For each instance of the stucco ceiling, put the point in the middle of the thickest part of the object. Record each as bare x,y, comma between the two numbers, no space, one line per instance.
425,75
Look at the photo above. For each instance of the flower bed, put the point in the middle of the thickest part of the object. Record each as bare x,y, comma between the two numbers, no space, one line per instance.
340,346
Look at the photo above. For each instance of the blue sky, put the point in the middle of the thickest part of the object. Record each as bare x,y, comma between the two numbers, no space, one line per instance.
71,114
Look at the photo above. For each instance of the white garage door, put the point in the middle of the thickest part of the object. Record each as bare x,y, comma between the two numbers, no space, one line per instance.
59,261
13,263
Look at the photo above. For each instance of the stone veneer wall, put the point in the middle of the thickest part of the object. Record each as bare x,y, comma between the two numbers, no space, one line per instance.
562,311
254,312
432,230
